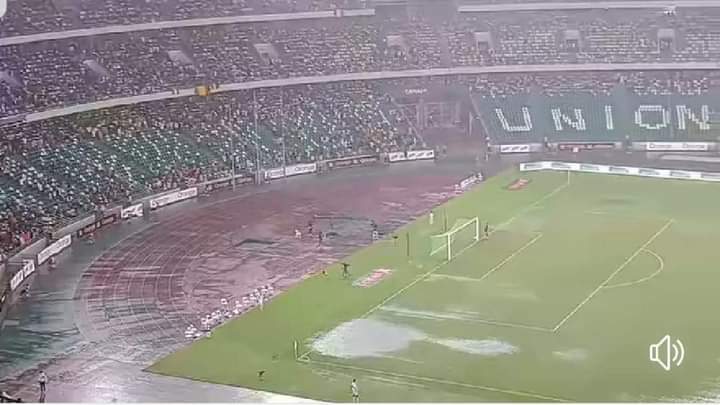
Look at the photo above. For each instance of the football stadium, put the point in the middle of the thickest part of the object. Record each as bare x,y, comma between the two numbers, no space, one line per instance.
308,201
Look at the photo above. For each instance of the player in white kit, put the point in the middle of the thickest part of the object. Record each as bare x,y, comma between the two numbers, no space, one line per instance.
355,391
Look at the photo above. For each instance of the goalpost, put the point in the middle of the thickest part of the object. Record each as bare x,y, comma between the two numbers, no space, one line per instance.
464,233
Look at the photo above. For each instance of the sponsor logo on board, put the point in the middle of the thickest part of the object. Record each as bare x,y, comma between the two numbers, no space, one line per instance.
375,277
518,184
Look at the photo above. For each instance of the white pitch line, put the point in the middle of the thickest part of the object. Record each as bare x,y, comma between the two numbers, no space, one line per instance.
644,279
402,359
524,394
417,280
614,273
510,325
437,267
396,381
141,268
512,256
494,269
455,278
531,206
442,317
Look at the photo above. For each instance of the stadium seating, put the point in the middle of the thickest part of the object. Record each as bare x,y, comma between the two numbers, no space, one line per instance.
124,152
37,16
63,167
519,108
67,166
75,70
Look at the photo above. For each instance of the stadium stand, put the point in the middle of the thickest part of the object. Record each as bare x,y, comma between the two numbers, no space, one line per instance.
610,106
40,75
56,169
37,16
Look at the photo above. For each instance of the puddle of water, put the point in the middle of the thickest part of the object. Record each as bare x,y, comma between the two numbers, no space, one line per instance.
366,338
571,354
486,347
376,338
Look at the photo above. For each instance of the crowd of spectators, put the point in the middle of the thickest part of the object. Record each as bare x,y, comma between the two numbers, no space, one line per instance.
26,17
591,36
58,169
46,74
688,83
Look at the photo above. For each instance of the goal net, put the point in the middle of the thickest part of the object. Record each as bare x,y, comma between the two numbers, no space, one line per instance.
463,233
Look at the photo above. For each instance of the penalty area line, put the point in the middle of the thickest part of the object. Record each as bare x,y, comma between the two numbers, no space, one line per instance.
525,394
445,262
512,256
440,265
531,206
495,268
613,274
412,283
450,316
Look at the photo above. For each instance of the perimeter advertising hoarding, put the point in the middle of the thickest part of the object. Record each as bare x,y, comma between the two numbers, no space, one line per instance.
173,197
678,146
3,298
227,183
57,247
622,170
411,155
292,170
353,161
98,224
135,210
585,145
515,148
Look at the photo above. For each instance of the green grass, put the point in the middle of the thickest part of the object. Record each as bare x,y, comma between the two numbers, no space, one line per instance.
578,278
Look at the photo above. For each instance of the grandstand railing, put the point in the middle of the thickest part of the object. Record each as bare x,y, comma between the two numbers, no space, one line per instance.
342,13
31,251
196,22
580,5
365,76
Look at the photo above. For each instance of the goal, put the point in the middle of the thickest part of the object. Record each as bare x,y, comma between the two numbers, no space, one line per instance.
464,233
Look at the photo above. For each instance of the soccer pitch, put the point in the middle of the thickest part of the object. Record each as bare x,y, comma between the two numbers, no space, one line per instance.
581,273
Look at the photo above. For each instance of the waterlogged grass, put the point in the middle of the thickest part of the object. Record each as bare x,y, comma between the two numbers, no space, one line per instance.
561,302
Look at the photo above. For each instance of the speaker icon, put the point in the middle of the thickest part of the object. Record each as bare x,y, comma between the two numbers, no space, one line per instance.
667,353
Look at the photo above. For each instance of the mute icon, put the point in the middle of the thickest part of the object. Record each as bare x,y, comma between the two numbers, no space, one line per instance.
667,353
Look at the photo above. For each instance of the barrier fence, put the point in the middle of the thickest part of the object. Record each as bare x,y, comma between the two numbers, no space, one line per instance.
4,290
468,182
173,197
4,297
54,249
622,170
292,170
394,157
103,221
132,211
21,275
96,222
675,146
353,161
577,146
